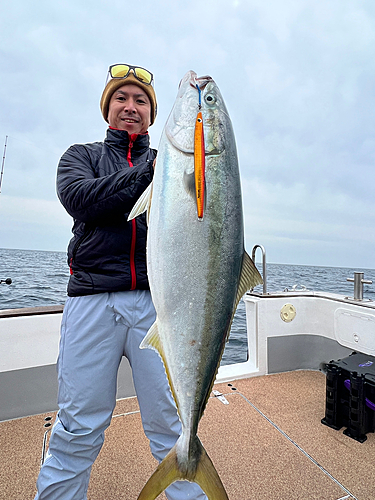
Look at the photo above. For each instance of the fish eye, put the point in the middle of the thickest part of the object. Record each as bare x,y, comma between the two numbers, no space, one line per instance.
210,99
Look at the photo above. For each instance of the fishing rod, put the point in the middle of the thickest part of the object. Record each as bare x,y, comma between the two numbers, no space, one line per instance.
2,165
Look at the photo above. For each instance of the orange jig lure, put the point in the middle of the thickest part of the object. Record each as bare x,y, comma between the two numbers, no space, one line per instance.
199,164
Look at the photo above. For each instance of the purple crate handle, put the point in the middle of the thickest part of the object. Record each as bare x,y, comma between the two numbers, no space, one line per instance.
369,403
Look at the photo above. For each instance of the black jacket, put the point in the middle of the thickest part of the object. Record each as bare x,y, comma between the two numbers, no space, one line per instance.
98,184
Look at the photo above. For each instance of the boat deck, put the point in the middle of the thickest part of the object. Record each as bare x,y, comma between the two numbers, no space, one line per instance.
267,444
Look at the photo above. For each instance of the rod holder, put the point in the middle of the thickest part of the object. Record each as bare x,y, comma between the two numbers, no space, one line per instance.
358,285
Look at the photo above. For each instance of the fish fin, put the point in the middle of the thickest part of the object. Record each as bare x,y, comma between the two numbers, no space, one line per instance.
165,474
208,478
149,202
168,471
249,277
142,204
152,341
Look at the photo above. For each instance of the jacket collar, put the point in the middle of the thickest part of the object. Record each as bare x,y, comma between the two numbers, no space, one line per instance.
121,139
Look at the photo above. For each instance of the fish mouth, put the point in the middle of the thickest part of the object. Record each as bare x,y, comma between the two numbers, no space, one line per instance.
195,81
200,82
181,134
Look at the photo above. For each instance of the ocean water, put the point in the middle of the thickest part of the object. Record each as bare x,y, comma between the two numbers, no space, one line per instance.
40,279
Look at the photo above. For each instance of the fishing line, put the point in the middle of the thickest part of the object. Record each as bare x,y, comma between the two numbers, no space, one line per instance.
199,97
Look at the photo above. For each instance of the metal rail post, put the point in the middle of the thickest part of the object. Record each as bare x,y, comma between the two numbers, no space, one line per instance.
263,250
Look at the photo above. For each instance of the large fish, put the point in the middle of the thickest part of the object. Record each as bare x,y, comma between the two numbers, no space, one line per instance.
197,266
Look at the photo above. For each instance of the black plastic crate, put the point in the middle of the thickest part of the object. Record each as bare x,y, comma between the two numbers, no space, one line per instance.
350,395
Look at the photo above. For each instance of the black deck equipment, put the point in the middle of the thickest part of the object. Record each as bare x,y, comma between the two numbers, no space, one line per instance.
350,395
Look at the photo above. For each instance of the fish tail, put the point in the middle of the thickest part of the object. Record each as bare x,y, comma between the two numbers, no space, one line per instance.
208,478
165,474
168,472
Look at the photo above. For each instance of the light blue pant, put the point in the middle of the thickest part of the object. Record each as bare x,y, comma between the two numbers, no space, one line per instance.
96,331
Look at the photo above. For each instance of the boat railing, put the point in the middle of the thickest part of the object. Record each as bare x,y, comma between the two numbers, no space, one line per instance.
31,311
264,265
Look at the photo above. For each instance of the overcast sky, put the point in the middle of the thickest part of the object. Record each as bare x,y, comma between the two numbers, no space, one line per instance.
298,78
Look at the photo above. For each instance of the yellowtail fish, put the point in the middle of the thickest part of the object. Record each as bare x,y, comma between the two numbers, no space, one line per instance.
197,267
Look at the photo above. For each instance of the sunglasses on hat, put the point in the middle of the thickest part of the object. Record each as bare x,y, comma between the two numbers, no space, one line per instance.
123,70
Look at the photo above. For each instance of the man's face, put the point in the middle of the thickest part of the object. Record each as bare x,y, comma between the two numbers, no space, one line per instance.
130,109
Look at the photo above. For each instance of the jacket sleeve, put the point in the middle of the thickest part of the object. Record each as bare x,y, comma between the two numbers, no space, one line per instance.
88,198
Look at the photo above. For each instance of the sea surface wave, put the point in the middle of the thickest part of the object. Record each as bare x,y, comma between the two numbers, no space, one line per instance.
39,278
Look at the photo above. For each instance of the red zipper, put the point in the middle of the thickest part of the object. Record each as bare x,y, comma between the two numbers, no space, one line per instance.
132,254
132,138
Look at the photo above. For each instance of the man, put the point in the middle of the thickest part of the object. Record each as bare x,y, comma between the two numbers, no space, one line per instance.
109,309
